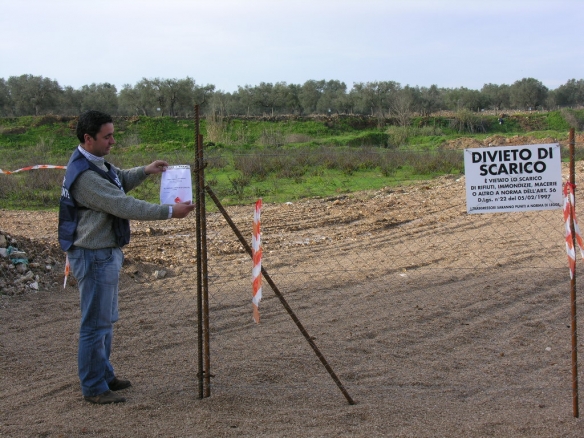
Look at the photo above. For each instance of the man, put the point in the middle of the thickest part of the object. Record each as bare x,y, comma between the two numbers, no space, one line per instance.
94,214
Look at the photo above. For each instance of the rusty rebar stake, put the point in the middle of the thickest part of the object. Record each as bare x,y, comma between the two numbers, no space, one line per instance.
200,346
573,325
280,296
204,271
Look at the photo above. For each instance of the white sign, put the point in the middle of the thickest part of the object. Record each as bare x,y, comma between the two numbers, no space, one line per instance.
513,178
175,185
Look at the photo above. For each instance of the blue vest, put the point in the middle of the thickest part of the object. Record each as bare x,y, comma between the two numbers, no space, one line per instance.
68,209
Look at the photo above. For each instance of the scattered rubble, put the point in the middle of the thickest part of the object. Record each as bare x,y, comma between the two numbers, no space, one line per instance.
27,265
159,274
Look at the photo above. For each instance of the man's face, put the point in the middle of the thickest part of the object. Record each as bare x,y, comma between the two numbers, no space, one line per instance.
102,143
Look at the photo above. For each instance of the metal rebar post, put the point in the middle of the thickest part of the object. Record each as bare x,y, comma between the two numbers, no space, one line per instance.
204,272
573,324
201,369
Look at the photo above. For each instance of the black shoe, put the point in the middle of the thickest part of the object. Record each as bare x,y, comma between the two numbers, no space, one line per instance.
105,398
118,384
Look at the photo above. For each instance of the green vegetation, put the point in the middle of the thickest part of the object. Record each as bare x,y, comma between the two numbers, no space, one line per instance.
279,159
28,95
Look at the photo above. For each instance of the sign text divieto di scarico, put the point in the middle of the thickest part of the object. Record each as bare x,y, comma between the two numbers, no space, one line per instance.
513,178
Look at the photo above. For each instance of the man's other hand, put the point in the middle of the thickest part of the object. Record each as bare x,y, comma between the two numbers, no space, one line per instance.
182,209
157,166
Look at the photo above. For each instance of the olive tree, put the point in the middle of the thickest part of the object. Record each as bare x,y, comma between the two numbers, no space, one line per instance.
310,94
570,94
403,105
429,100
5,99
374,98
266,96
528,93
457,99
244,97
292,103
201,95
33,95
497,97
332,99
71,101
100,97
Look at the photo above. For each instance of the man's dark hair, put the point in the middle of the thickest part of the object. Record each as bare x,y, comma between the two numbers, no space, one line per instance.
90,122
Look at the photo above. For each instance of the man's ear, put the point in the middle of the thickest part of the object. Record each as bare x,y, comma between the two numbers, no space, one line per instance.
87,138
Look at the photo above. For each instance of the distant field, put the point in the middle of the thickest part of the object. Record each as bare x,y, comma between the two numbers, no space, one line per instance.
279,158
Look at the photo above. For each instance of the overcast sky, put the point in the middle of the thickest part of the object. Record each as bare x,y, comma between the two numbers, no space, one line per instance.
231,43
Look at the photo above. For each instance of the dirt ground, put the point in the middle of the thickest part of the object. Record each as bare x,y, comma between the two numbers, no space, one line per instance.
436,322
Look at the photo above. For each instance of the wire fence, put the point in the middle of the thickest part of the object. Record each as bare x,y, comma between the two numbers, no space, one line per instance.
390,303
404,293
401,290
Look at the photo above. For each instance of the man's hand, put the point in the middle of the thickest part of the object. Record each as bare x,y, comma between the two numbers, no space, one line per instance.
182,209
157,166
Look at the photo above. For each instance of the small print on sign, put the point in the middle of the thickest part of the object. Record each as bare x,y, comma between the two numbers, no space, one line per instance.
176,185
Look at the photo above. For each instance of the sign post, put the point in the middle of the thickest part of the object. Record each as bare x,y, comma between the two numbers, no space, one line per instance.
526,178
573,319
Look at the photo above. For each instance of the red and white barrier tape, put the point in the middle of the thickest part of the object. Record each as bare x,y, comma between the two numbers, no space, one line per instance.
67,269
38,166
256,251
569,216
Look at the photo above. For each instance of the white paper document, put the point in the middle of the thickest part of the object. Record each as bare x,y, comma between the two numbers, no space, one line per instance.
176,185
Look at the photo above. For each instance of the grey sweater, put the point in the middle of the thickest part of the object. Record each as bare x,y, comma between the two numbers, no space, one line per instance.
103,200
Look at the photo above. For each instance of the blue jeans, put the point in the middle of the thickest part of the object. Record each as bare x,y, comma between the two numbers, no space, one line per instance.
97,272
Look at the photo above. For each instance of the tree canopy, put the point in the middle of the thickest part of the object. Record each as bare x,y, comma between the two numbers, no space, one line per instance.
36,95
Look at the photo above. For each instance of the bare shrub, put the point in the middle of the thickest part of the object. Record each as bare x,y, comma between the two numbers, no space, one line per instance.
398,135
43,179
327,156
347,164
251,166
240,137
388,167
239,184
571,118
367,157
216,161
288,164
467,121
216,127
36,188
8,186
293,172
343,160
391,161
40,152
306,159
442,161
